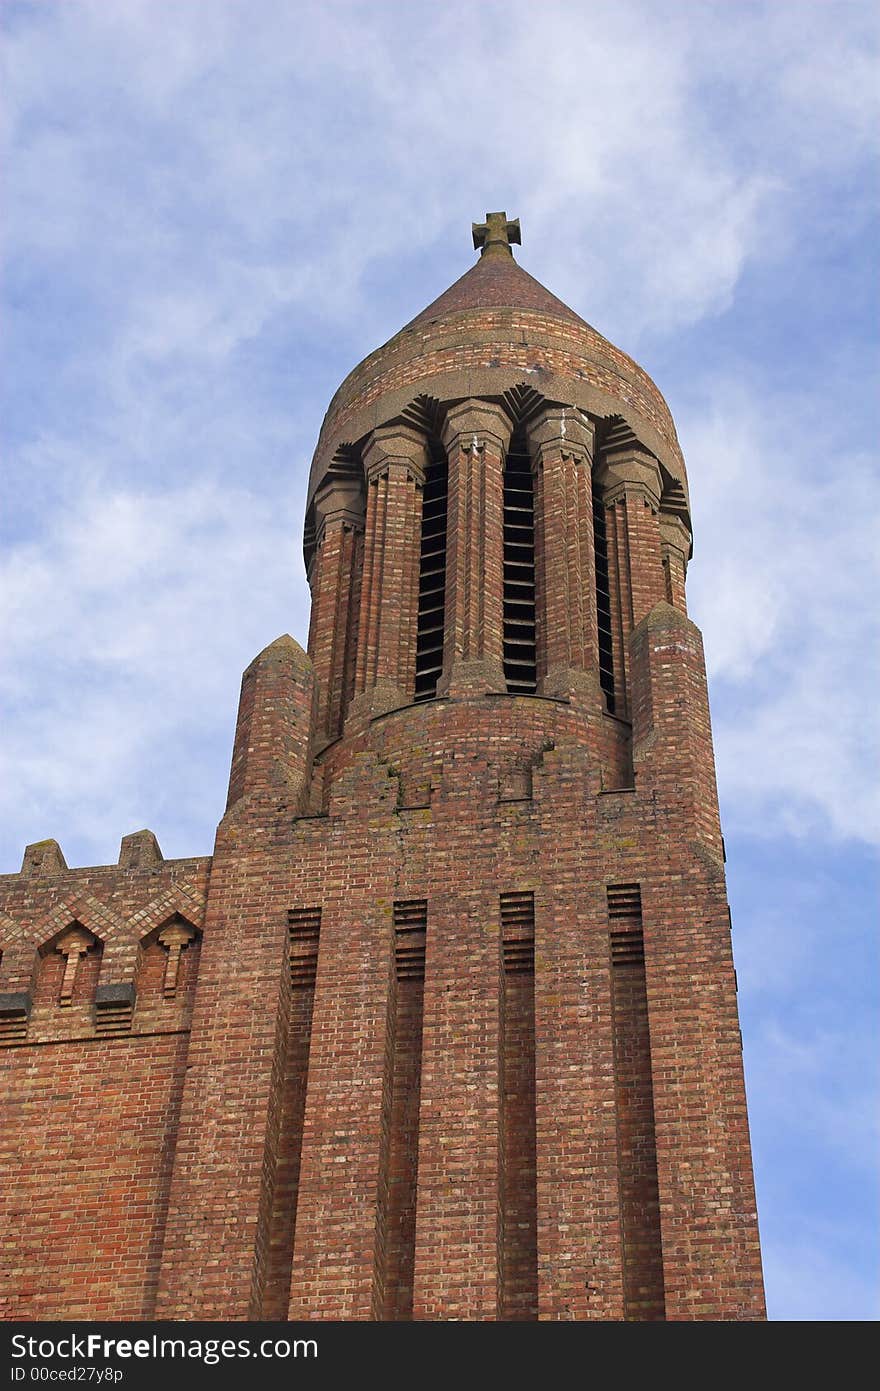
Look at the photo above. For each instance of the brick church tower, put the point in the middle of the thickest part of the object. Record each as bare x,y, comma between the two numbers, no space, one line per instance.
446,1028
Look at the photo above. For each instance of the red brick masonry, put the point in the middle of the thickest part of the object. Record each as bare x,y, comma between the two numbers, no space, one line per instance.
446,1028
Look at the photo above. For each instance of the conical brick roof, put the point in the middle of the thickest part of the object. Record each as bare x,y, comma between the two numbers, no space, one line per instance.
494,330
496,282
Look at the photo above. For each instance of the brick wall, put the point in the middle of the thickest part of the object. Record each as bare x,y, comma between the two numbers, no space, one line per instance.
90,1094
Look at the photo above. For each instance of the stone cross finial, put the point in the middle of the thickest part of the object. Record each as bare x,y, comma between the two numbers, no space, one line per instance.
496,234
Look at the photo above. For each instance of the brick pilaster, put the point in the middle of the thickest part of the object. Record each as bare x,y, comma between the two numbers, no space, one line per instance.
339,507
338,1258
336,1265
216,1252
561,450
630,483
457,1216
476,435
395,459
217,1246
711,1256
579,1273
675,548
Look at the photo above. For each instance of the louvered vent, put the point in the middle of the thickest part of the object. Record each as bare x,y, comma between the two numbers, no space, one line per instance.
603,602
625,901
113,1020
410,936
625,916
432,580
13,1028
304,929
520,659
518,933
674,500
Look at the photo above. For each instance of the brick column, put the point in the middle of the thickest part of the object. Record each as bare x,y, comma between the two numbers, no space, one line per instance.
395,459
475,436
579,1273
561,451
631,483
339,513
675,548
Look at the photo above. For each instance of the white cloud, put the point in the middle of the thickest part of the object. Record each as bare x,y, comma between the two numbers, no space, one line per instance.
783,596
807,1082
141,130
125,628
811,1277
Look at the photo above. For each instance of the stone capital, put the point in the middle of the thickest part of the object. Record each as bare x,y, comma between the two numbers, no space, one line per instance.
463,677
629,471
573,684
476,424
396,445
376,700
674,536
561,430
338,500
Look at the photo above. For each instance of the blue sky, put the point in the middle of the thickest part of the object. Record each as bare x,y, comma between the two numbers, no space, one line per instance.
213,210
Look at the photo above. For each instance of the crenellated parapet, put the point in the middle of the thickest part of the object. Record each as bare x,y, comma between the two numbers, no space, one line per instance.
86,953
